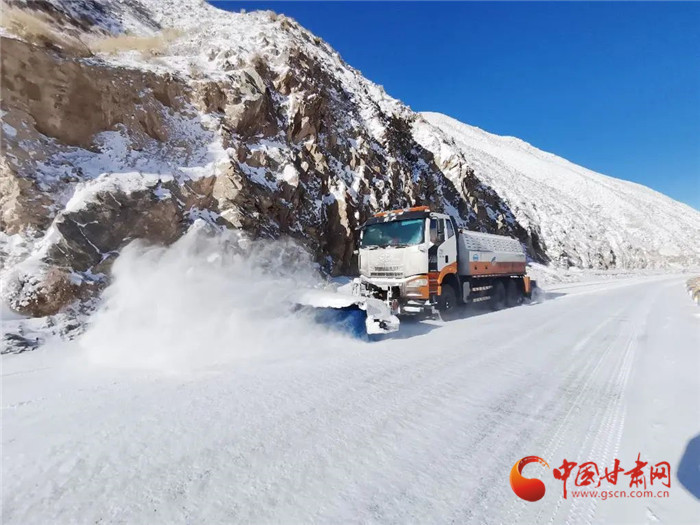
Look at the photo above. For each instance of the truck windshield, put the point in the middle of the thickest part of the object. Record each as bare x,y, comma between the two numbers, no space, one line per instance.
394,233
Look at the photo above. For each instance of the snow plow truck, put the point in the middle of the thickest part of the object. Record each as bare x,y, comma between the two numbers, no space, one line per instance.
414,262
419,262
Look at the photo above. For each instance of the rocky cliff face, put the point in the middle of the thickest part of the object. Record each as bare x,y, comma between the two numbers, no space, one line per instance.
245,120
131,119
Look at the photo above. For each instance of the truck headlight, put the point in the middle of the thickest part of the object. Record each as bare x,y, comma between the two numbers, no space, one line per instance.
420,282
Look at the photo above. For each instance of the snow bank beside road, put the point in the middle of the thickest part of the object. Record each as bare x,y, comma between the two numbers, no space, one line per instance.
548,276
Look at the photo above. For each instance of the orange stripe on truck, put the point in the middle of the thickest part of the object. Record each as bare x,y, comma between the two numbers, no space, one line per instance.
497,268
447,270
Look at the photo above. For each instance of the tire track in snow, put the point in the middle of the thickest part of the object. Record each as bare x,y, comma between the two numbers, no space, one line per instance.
586,406
579,369
607,437
585,366
420,398
490,419
505,404
578,364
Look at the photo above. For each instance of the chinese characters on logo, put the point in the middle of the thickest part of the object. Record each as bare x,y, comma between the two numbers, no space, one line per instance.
589,475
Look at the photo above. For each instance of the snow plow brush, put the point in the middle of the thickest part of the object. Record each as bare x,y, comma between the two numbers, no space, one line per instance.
357,316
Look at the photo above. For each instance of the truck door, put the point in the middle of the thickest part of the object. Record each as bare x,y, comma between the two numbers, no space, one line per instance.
443,248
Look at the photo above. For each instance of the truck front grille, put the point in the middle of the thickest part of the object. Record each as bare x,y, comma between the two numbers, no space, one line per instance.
389,272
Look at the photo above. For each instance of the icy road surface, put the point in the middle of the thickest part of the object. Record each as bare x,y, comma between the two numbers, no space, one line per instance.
422,429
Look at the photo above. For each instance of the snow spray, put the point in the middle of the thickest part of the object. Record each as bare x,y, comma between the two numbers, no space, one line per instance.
205,300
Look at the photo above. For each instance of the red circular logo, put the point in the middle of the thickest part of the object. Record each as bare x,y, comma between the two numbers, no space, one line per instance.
528,489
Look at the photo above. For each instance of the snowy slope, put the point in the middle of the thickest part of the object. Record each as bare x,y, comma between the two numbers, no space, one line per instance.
585,219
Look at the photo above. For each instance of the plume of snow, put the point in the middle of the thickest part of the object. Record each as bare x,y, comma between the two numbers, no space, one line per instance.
204,301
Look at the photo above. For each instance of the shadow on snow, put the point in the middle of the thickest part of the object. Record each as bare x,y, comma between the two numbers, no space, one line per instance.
688,472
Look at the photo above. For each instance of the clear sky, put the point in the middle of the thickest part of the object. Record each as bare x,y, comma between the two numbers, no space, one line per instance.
614,87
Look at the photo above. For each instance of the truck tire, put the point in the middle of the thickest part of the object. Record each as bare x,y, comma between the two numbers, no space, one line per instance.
498,296
447,303
514,296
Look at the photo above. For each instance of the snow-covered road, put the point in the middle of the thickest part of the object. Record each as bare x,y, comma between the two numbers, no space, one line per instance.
421,428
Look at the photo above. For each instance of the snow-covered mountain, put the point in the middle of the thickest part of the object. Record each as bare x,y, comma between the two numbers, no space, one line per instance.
133,119
136,118
583,218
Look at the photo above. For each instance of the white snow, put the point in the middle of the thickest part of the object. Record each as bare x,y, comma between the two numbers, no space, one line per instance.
194,398
114,183
8,130
191,304
162,193
13,248
258,175
290,175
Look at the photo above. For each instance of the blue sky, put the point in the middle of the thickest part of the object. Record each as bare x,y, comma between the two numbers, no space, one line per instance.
614,87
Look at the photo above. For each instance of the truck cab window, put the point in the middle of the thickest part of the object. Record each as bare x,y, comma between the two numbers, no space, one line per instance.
401,233
450,229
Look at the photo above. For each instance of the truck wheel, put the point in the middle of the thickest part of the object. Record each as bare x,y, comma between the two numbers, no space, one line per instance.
447,303
498,297
513,295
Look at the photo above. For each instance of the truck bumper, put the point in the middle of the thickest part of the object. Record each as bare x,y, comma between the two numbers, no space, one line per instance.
393,293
